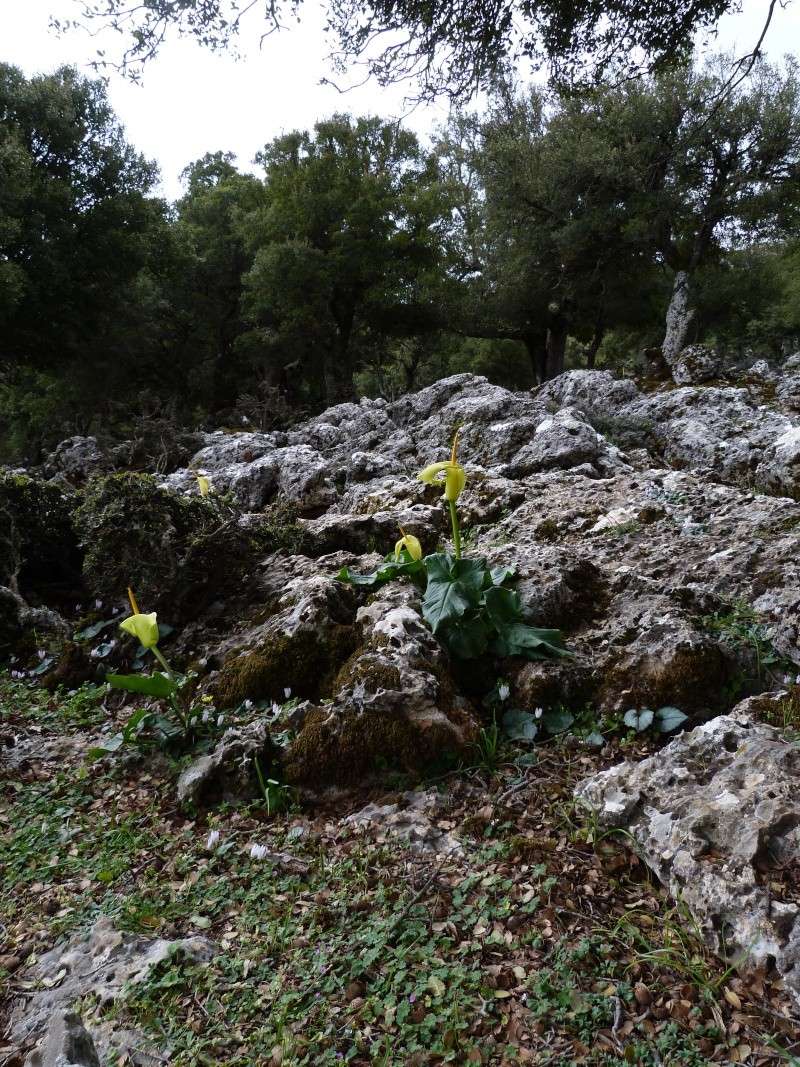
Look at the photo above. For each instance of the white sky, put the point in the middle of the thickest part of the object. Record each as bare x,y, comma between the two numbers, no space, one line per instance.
194,102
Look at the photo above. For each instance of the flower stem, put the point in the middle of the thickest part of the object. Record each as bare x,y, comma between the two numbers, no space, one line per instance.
456,528
159,656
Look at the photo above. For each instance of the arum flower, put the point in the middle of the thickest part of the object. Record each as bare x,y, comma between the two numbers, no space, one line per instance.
410,543
203,484
450,472
145,627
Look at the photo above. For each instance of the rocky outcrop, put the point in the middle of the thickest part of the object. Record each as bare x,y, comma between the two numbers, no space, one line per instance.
98,964
716,816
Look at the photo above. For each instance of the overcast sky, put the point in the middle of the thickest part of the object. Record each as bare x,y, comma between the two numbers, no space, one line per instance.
192,101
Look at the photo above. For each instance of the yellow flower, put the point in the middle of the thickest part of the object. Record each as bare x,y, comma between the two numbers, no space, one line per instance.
145,627
454,475
410,543
203,484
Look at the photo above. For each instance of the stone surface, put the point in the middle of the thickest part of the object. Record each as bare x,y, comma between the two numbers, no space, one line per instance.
716,816
411,820
95,964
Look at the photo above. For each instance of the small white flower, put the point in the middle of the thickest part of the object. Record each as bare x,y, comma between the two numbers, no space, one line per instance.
213,840
503,691
287,693
538,713
258,852
220,720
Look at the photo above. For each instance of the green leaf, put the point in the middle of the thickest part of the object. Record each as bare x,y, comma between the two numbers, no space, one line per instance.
153,685
107,748
669,719
467,638
502,606
556,722
639,719
93,630
389,570
519,639
519,725
444,602
501,575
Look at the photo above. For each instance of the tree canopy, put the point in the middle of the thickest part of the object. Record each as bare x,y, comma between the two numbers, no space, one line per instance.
450,46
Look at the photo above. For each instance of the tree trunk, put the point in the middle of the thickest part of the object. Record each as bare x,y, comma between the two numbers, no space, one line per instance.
536,344
680,314
556,349
594,345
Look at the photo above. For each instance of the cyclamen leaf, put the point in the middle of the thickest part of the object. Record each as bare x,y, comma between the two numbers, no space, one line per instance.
519,725
556,722
669,719
154,685
639,719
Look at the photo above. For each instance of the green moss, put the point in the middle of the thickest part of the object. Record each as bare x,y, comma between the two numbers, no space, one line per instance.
305,662
348,747
178,552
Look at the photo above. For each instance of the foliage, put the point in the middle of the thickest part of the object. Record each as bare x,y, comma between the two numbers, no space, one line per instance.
453,48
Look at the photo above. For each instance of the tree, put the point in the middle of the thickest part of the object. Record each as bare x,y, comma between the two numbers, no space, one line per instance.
712,169
547,241
76,228
453,46
345,248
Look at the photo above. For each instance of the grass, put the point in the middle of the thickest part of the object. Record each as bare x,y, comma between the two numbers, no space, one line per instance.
542,944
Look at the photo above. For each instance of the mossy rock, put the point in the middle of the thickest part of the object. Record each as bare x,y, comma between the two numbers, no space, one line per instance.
305,662
177,552
346,747
39,552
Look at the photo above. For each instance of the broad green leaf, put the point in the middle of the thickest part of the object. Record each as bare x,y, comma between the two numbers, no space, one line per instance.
467,638
639,719
519,639
502,606
556,722
519,725
153,685
668,719
446,601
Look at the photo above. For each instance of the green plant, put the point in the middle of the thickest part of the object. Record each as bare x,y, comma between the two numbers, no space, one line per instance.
185,715
467,604
741,628
664,720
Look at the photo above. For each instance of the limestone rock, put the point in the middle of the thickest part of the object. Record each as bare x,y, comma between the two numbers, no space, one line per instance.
67,1043
716,816
95,964
411,820
229,771
695,364
77,458
393,702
